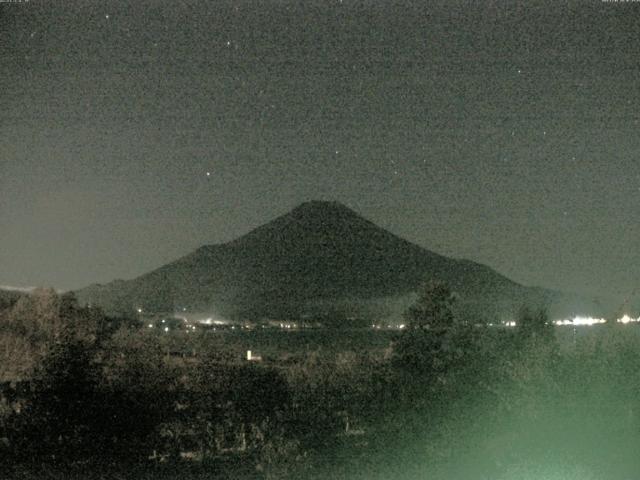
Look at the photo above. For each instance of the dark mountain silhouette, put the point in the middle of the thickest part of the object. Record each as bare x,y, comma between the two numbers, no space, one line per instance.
321,257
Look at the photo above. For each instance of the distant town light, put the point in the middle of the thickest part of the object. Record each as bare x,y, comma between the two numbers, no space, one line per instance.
627,319
580,321
151,325
587,320
139,310
166,329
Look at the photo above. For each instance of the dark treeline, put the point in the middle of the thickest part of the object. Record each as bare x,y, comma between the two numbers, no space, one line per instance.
86,395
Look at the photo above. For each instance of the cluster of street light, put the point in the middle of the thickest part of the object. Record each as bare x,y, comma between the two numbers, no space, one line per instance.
582,321
575,321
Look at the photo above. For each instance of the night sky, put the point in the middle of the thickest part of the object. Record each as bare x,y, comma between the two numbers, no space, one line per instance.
503,132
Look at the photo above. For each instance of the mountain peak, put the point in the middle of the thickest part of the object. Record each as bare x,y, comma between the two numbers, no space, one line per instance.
325,214
322,206
310,221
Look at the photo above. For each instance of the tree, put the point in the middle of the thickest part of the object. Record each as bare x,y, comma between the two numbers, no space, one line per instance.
69,413
64,407
433,310
534,324
433,340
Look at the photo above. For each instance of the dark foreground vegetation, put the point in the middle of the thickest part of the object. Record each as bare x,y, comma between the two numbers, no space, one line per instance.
85,396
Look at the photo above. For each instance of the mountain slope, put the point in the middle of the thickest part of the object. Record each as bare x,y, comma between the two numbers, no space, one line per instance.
318,255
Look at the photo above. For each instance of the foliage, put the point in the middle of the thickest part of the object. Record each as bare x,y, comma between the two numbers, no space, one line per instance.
433,309
60,417
452,401
534,324
35,323
433,341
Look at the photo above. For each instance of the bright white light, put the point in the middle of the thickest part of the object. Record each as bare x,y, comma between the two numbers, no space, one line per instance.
139,310
510,323
627,319
587,321
166,329
401,326
580,321
151,325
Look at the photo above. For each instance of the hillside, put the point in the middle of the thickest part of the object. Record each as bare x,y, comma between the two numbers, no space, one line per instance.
321,256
